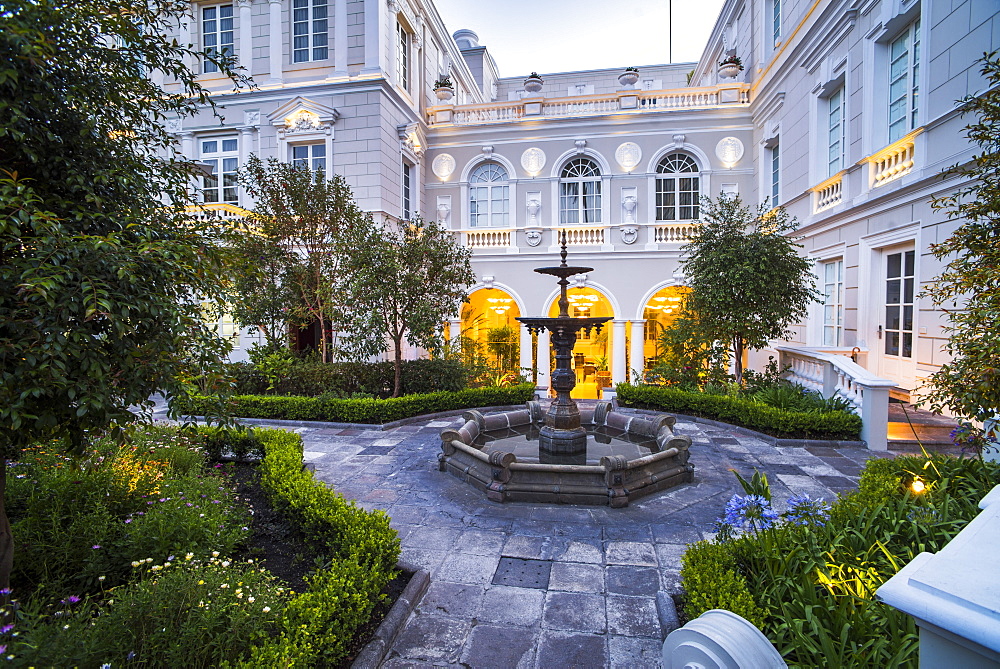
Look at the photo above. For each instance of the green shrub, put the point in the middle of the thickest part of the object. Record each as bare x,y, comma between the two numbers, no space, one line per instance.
318,625
345,379
362,410
840,425
712,580
815,584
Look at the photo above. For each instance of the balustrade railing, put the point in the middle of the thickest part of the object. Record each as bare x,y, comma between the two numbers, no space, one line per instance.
673,233
828,193
584,236
834,375
489,239
627,101
894,161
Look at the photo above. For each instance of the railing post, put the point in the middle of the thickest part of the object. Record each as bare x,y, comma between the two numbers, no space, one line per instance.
831,379
875,415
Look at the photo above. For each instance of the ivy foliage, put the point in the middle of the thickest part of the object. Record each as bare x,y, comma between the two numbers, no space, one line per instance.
969,286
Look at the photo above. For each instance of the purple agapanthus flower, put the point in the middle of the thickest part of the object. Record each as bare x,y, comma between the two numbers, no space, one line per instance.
803,510
749,512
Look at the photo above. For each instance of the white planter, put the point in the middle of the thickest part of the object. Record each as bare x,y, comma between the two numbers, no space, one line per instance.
628,78
444,94
533,84
729,71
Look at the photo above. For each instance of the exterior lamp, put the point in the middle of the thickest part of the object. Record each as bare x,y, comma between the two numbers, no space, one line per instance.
443,166
533,160
628,156
729,150
917,486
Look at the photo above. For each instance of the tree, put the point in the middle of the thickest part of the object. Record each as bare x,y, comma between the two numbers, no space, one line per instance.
98,263
303,220
404,281
970,383
748,282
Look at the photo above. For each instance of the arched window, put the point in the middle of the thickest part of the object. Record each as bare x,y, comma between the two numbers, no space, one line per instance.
489,197
677,188
580,192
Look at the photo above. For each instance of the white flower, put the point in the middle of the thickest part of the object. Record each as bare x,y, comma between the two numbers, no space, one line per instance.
215,553
250,599
225,563
267,609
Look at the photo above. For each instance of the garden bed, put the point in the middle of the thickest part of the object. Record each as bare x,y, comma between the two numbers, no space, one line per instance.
808,580
140,556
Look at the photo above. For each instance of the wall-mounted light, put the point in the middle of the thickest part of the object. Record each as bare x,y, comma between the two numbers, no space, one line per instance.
443,166
533,160
628,156
729,150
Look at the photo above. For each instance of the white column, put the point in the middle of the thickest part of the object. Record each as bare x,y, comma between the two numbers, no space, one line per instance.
638,353
454,330
246,148
246,35
618,372
544,367
340,38
185,37
275,43
525,357
373,37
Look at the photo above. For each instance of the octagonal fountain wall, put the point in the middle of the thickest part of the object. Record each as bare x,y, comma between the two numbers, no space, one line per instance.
626,457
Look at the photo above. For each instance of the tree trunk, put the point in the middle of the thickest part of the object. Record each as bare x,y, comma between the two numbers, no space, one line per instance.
397,388
6,542
738,355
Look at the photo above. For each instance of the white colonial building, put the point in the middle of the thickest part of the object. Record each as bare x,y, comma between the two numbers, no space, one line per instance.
845,114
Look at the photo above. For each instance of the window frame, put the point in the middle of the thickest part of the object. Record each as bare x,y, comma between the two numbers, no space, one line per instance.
310,160
224,179
218,33
774,156
661,180
833,312
493,187
580,211
836,132
406,191
775,22
900,124
403,42
312,34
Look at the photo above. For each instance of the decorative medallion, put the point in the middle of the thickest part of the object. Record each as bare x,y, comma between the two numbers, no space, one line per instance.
443,165
533,237
628,155
630,233
729,150
533,160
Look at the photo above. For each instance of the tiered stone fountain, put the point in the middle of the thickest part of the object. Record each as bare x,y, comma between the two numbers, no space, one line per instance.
594,456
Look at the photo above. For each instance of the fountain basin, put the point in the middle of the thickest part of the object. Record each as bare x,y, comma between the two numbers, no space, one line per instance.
626,457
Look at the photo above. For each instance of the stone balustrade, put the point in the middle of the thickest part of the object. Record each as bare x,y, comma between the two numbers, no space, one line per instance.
505,240
626,101
489,238
833,375
828,193
892,162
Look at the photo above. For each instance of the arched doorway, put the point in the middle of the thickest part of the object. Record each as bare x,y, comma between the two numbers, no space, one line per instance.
659,313
592,353
490,334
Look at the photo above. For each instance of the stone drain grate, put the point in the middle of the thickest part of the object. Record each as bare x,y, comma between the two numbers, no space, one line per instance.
523,573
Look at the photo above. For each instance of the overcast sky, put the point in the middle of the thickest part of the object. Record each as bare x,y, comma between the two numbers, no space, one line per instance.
568,35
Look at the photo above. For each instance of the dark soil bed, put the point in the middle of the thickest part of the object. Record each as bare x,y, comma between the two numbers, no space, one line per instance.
283,550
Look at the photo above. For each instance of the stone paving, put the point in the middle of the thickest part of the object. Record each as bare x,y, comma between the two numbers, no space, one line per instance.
606,568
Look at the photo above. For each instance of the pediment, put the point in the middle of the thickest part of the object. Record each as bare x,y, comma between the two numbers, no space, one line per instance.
301,111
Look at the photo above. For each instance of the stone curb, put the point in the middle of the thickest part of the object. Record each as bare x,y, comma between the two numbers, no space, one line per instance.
364,426
666,611
774,441
374,652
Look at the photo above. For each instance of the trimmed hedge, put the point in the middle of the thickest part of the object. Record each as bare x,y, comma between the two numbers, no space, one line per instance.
359,410
312,379
837,425
317,626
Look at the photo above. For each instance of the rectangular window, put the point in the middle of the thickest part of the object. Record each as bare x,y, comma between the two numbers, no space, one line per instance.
222,155
904,75
310,156
833,303
223,325
899,281
677,198
216,33
403,56
775,174
309,30
835,132
407,176
776,20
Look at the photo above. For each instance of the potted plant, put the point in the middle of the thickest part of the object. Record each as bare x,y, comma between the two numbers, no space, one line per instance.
629,76
729,67
444,89
533,83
